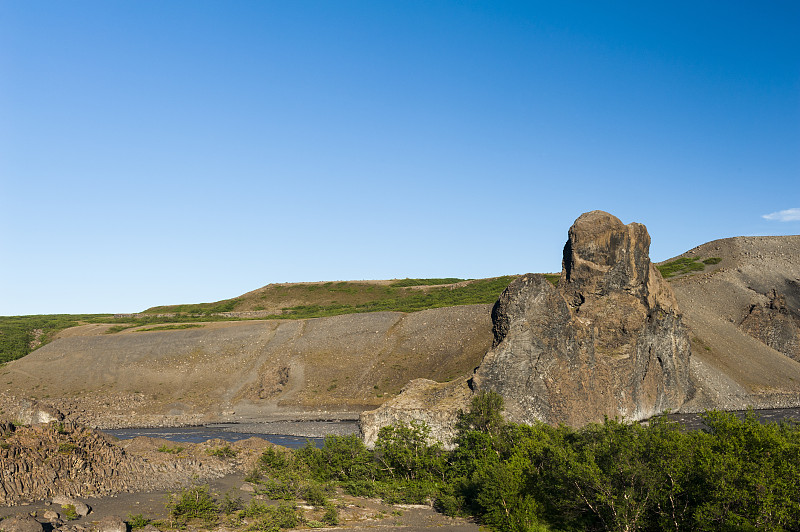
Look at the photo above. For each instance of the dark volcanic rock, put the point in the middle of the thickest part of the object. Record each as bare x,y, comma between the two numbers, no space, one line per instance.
775,324
608,340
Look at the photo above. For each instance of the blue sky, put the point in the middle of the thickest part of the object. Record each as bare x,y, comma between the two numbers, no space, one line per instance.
176,152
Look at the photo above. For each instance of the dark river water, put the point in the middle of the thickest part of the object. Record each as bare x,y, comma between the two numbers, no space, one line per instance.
234,432
273,432
770,415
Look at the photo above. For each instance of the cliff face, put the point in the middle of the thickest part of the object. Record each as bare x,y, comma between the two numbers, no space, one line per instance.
608,340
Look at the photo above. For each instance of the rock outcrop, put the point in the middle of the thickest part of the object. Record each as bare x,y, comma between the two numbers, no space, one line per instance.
437,404
775,324
606,341
60,461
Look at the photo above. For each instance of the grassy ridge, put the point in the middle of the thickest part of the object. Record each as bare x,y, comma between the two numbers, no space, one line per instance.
19,335
407,300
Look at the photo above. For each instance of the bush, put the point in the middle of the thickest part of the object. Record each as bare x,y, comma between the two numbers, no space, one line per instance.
69,511
275,518
226,451
137,521
171,450
340,458
403,452
193,503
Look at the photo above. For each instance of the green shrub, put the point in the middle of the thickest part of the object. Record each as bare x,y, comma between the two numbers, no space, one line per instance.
230,503
331,515
171,450
193,503
403,451
67,448
275,518
136,521
226,451
340,458
69,511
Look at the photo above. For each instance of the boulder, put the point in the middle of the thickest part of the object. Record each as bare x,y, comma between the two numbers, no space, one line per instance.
21,524
81,508
437,404
112,523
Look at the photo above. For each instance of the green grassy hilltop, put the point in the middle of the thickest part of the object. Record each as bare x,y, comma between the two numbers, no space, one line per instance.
19,335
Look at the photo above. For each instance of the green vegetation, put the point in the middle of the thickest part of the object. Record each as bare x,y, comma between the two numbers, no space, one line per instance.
136,521
193,503
67,448
737,474
226,451
425,282
553,278
171,327
171,450
69,511
408,300
685,265
228,305
19,335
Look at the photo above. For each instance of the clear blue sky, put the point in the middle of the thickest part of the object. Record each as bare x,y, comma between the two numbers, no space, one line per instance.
160,152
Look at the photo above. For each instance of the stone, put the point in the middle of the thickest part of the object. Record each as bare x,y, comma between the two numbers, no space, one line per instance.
112,523
50,515
436,404
775,324
81,508
21,524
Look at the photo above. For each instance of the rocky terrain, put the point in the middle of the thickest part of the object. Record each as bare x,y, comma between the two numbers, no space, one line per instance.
609,339
614,339
742,318
61,459
321,368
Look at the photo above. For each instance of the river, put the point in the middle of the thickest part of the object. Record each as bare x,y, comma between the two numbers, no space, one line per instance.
294,434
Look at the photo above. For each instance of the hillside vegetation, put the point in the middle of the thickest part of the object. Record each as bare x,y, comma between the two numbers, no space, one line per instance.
315,300
19,335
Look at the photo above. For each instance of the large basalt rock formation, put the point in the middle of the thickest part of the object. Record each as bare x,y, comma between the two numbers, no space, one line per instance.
606,341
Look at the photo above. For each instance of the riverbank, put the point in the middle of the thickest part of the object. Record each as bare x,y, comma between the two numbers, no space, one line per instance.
355,513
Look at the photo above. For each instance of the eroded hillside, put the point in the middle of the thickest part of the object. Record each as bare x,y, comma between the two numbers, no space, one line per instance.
260,369
757,281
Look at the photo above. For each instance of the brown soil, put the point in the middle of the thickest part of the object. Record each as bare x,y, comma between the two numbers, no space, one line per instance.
324,368
355,513
733,370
